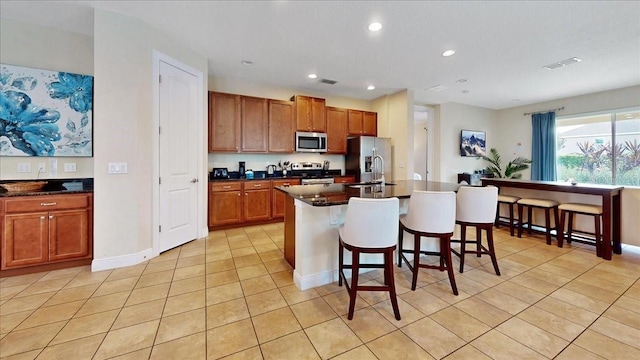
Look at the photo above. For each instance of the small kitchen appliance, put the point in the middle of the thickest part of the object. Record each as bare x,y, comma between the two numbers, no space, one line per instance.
311,142
271,170
219,173
241,169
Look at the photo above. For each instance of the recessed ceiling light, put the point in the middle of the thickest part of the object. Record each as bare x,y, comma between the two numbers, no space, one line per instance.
371,87
448,53
375,26
312,76
246,62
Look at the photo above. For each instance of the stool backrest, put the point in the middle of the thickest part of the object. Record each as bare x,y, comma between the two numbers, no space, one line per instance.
371,223
476,204
431,211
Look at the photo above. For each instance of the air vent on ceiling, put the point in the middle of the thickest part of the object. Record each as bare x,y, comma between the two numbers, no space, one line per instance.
562,63
328,81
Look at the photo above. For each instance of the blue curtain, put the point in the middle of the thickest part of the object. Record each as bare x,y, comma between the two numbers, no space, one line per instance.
543,152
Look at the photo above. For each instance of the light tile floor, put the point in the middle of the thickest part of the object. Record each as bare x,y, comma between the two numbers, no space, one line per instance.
232,296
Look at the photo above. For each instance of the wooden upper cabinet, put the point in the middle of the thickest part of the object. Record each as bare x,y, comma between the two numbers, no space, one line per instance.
255,124
370,123
336,130
281,126
363,123
224,122
310,114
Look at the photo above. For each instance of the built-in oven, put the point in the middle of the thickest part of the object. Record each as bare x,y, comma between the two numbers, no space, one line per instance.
311,142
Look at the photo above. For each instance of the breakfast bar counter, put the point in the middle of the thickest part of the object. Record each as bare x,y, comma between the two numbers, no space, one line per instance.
609,199
313,214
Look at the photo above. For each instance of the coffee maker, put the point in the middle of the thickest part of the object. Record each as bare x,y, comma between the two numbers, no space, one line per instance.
241,169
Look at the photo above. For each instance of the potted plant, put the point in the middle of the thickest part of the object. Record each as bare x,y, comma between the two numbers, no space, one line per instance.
512,171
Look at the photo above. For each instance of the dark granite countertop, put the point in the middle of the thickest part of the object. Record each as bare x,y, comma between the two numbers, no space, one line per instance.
339,194
53,187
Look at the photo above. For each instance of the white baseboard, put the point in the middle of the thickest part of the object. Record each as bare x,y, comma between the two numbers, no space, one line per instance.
310,281
121,261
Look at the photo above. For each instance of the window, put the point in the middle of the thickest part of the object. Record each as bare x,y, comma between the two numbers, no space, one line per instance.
600,148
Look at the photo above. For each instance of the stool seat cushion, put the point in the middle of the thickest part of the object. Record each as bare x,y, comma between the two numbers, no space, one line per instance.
581,208
508,199
542,203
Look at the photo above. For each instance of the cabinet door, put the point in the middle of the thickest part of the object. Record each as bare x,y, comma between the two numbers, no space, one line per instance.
318,115
255,124
370,123
224,122
355,122
281,126
25,241
257,204
225,207
69,235
278,197
303,113
336,130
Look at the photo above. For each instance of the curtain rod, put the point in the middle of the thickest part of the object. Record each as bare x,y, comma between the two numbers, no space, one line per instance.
540,112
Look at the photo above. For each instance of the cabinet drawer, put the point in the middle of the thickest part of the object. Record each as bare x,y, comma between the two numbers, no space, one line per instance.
256,185
47,203
285,182
226,186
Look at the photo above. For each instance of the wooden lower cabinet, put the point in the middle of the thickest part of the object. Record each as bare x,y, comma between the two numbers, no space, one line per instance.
40,230
225,203
257,200
278,197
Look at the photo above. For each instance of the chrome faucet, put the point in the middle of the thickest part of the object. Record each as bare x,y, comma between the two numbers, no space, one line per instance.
381,179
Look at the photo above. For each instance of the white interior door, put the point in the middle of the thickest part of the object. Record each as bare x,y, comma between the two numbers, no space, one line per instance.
178,165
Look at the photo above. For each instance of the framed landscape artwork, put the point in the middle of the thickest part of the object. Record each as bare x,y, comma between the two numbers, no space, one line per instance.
45,113
473,143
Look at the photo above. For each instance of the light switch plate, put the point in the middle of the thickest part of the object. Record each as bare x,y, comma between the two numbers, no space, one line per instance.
118,168
69,167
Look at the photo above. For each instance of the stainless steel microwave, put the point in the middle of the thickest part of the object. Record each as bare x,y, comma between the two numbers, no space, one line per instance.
311,142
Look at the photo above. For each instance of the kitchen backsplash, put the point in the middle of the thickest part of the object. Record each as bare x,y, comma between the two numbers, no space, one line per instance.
260,161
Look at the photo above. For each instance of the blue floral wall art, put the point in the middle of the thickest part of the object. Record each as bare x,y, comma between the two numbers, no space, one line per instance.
45,113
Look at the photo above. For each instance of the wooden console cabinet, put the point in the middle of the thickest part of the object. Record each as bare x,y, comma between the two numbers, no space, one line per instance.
48,229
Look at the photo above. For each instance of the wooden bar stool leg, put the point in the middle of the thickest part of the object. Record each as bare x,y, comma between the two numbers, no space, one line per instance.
445,252
529,219
492,250
520,210
463,239
340,262
353,292
496,222
547,221
391,282
598,238
557,220
416,260
563,216
570,227
400,240
511,219
479,241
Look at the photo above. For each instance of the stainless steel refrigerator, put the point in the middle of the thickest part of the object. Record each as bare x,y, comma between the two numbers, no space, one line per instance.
361,159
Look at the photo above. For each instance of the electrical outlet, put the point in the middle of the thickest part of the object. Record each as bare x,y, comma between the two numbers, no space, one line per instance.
69,167
24,167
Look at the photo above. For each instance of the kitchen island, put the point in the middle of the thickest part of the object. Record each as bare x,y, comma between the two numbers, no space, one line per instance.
313,214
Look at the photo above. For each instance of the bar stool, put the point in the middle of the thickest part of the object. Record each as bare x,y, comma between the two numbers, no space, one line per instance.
476,206
584,209
509,201
370,226
430,214
547,205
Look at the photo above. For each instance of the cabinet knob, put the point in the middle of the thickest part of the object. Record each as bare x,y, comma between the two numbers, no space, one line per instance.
41,217
50,216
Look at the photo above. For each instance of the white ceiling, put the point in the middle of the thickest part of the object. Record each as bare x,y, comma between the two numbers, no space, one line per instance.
501,46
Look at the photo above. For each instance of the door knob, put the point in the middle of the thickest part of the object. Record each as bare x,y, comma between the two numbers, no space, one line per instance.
194,180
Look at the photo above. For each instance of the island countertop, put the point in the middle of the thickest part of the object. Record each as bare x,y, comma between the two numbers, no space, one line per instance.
339,194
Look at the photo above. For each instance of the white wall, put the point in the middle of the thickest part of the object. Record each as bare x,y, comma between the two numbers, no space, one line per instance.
123,97
34,46
395,113
451,118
